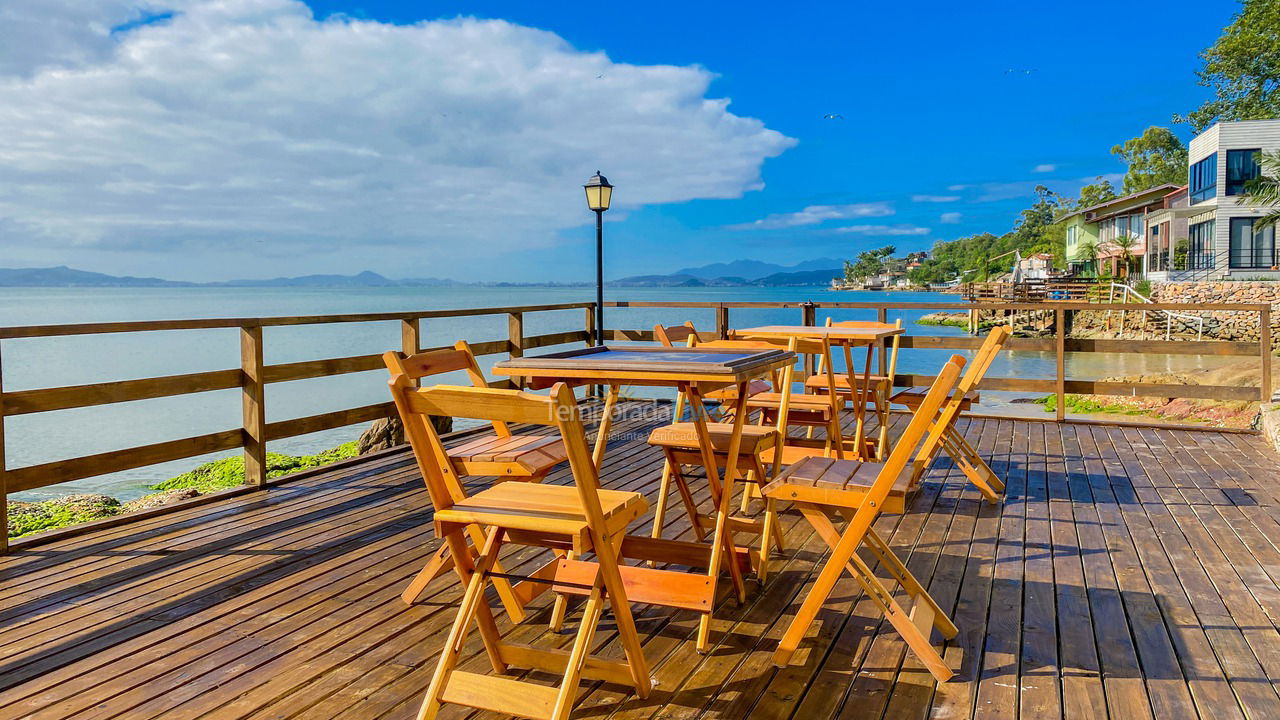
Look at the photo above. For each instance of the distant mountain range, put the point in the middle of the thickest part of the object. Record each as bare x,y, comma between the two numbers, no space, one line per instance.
63,276
756,269
741,273
733,274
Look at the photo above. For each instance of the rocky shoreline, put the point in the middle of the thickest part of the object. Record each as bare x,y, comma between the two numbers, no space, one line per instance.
28,518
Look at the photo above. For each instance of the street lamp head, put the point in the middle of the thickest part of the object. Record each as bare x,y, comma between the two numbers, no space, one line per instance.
599,192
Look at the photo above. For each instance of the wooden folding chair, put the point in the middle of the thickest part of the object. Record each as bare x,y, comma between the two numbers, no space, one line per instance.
849,384
808,410
949,438
583,518
859,492
686,335
680,447
499,454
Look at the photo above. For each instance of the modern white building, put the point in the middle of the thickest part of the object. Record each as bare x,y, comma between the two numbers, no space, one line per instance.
1220,240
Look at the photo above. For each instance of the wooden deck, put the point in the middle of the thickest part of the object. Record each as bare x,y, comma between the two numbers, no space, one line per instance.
1130,573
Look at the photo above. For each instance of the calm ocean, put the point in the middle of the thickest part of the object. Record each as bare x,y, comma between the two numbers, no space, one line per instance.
51,362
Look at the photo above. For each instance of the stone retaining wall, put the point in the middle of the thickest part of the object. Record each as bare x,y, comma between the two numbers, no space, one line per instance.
1223,325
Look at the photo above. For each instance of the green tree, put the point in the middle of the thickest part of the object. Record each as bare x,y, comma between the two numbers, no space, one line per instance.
1154,158
868,263
1123,246
1242,68
1099,192
1264,191
1087,253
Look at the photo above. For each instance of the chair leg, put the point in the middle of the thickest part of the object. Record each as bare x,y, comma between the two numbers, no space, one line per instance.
578,655
686,498
844,556
973,458
766,538
822,585
515,609
440,562
561,606
664,491
471,607
835,437
770,511
748,492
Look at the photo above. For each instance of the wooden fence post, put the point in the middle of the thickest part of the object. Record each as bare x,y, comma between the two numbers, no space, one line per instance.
882,317
592,340
722,322
4,485
411,339
515,344
253,393
809,318
1060,353
1264,340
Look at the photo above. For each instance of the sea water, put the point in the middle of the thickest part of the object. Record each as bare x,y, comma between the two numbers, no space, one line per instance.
75,360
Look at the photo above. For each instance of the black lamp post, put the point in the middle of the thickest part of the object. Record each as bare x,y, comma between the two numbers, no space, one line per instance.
599,193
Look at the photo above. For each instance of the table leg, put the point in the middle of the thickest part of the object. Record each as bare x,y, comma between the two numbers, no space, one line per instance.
606,422
722,494
861,409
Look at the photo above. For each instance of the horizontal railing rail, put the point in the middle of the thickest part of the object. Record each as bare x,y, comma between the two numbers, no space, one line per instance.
254,374
251,378
1059,344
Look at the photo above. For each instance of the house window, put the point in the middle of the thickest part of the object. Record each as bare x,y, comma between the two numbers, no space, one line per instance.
1242,166
1199,247
1204,179
1252,248
1072,234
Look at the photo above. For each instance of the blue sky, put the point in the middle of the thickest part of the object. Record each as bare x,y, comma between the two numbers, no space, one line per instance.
949,116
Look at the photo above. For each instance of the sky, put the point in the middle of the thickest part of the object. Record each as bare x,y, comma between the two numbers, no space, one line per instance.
218,139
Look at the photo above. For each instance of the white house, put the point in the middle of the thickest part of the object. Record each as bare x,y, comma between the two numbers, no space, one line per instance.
1221,241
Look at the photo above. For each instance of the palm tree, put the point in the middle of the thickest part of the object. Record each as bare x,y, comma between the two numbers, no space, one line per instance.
1123,246
1087,253
1264,191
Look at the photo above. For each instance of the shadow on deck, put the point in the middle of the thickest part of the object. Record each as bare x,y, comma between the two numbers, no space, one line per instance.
1129,572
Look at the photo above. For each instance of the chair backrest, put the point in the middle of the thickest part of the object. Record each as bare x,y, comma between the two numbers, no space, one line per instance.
982,360
669,335
438,362
820,347
893,346
559,409
950,411
908,442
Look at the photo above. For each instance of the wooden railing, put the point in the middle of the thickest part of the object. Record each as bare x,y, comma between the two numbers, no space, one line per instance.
251,378
1059,344
1034,291
253,375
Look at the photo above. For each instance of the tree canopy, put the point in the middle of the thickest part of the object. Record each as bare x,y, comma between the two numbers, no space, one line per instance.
1096,193
1242,68
1154,158
868,263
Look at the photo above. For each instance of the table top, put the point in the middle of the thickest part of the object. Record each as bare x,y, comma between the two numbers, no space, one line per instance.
836,333
660,365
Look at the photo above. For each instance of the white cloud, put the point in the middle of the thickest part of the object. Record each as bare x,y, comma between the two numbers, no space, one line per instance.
1044,168
884,230
934,198
950,218
238,122
958,188
815,214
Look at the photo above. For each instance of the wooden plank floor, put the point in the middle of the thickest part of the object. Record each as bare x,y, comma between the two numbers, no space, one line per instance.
1129,573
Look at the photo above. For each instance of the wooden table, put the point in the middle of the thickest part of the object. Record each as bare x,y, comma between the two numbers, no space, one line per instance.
695,372
846,338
